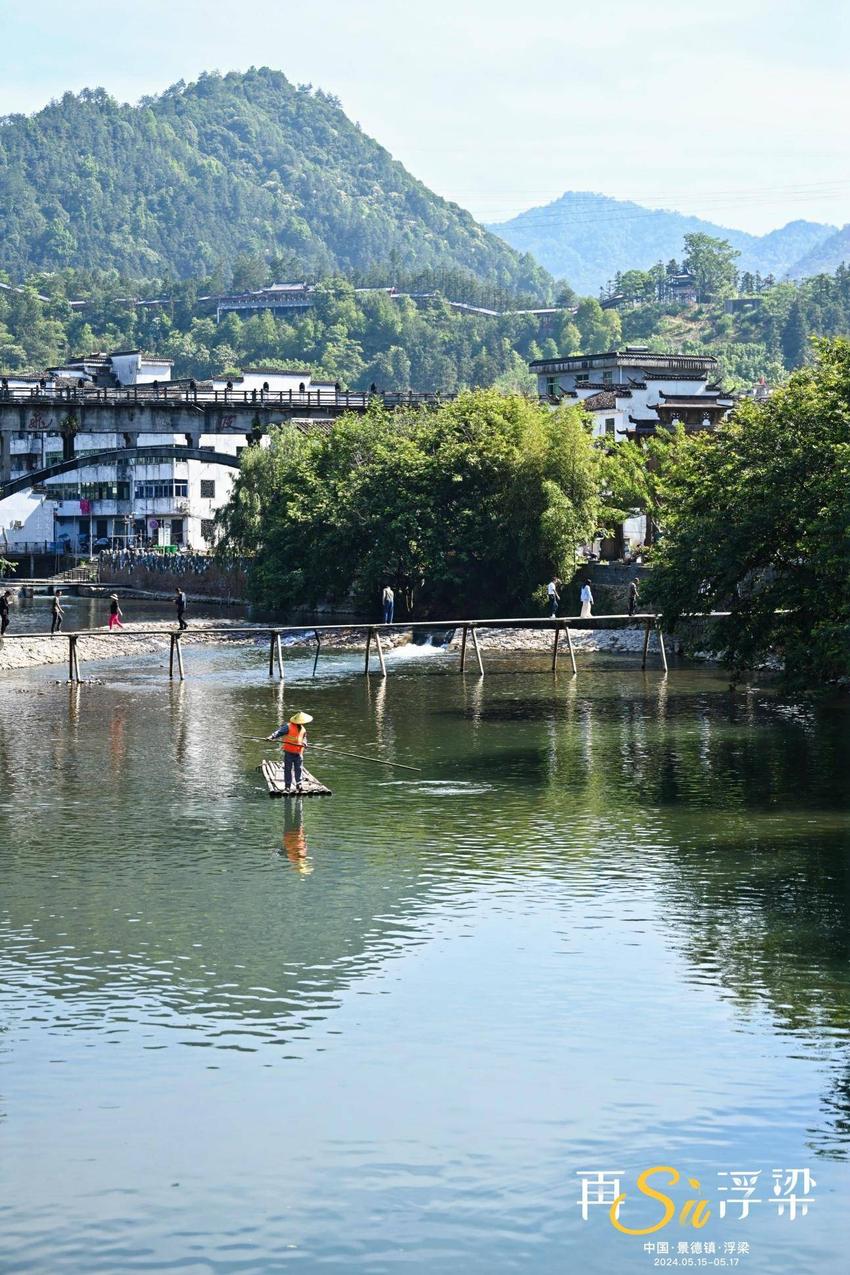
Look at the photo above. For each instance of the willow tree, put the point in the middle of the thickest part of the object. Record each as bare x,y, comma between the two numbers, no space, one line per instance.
465,508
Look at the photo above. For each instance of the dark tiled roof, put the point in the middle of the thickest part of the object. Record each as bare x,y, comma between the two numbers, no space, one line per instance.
604,399
708,401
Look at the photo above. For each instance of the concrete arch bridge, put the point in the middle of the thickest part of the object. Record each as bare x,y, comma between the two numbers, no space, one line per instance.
174,409
113,456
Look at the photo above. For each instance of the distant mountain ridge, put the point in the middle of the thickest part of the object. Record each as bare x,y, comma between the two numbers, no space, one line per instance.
241,163
587,238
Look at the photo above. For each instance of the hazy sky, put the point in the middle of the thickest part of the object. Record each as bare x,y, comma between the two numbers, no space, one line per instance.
737,110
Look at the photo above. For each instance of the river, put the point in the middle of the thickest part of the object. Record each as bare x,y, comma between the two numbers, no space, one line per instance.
605,928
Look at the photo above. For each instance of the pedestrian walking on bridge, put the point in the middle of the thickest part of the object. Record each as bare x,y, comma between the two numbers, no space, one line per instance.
388,604
586,600
4,612
56,614
180,604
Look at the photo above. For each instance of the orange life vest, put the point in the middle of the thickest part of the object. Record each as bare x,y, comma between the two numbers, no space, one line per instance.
294,739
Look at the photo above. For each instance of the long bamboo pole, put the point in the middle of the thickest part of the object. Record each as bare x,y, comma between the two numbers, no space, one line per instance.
379,761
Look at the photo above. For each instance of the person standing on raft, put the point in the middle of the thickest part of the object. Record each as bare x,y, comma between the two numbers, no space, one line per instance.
293,738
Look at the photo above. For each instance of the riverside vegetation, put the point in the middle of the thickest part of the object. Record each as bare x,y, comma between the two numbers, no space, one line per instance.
467,509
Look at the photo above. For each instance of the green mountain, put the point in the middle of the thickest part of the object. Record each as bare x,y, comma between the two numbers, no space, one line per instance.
243,163
826,256
587,238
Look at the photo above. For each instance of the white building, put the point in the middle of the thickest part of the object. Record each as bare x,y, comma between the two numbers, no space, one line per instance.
136,501
633,392
630,393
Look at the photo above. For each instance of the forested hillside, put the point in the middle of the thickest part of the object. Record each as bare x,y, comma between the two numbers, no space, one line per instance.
184,182
419,342
587,238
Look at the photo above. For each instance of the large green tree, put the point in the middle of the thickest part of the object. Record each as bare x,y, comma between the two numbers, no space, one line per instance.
758,522
469,507
712,263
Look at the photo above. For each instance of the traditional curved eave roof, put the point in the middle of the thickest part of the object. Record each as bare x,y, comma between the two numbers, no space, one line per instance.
709,402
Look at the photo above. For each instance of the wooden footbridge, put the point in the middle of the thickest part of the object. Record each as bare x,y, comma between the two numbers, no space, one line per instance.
560,628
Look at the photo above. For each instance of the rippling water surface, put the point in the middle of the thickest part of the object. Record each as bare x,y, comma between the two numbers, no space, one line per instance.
604,928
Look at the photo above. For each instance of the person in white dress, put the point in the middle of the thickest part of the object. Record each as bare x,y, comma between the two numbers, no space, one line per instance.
586,600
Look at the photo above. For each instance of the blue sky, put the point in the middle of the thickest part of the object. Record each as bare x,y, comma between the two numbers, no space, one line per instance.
737,110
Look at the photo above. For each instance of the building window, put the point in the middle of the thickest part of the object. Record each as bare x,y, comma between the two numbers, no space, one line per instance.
165,490
610,426
208,530
582,378
207,489
607,377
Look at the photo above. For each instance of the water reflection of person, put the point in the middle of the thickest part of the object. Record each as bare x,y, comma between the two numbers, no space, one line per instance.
295,838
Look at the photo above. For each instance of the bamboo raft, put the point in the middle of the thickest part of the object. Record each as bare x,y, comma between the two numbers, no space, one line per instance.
310,786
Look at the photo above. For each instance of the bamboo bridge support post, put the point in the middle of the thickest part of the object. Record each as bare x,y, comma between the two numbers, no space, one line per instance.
271,654
73,663
318,650
645,641
178,648
380,653
555,647
171,657
661,646
463,648
368,649
278,652
572,650
477,650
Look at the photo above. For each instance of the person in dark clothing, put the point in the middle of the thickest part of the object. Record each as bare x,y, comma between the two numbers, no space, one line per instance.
4,612
180,603
633,596
56,613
